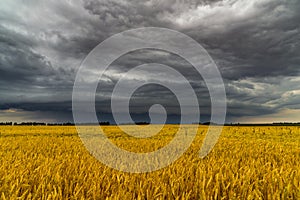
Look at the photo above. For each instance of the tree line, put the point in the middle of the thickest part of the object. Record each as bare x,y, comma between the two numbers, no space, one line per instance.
47,124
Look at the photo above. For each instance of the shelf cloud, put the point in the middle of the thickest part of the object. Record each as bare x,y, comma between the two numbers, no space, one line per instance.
255,44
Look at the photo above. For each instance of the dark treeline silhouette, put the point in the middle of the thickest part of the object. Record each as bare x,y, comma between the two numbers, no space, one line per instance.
141,123
47,124
92,124
6,123
265,124
208,123
257,124
60,124
136,123
30,124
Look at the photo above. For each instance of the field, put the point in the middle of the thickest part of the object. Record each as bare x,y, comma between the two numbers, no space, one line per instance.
50,162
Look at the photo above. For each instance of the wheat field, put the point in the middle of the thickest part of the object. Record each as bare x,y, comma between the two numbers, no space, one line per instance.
50,162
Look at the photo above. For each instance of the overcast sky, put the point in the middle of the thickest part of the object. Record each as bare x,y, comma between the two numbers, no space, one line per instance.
255,44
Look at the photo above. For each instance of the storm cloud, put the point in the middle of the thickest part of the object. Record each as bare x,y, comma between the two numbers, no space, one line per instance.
255,44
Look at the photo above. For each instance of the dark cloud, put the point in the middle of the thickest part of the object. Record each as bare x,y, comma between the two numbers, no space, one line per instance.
258,42
18,62
255,43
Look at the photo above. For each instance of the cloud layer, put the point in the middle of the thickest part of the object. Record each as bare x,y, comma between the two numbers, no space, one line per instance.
255,43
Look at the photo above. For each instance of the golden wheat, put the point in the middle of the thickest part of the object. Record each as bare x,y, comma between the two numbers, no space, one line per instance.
50,162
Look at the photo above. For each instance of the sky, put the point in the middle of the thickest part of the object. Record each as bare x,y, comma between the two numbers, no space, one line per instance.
254,43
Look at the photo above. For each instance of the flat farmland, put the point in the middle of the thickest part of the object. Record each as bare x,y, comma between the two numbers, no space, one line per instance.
51,162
